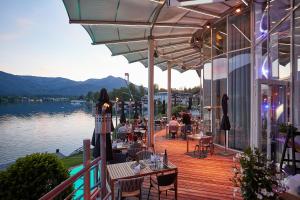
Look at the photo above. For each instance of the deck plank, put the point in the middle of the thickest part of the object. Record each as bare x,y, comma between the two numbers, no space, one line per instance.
198,179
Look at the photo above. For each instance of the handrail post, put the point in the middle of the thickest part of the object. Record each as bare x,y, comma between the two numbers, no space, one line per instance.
86,164
103,155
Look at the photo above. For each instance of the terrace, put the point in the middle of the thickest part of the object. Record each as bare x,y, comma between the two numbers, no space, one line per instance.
179,36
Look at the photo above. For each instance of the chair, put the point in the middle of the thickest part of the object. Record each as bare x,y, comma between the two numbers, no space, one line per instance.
205,143
212,141
130,188
163,182
173,131
142,155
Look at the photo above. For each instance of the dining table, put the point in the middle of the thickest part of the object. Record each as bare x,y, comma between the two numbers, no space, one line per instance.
119,146
125,170
194,137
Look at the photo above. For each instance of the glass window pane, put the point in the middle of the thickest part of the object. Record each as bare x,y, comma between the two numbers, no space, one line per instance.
278,9
261,61
207,75
239,99
261,20
279,52
296,73
219,88
219,38
239,31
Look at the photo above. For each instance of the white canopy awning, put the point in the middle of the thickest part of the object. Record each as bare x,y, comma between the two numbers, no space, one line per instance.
125,26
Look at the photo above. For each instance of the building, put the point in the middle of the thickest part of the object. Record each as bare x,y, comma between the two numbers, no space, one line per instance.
255,60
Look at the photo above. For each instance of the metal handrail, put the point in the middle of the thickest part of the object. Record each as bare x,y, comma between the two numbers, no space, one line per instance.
61,187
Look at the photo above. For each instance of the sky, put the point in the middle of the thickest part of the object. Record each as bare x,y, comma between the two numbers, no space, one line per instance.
37,39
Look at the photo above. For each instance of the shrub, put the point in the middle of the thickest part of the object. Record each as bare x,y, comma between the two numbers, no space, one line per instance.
33,176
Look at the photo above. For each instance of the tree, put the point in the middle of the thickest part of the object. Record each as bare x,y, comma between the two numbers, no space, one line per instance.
142,90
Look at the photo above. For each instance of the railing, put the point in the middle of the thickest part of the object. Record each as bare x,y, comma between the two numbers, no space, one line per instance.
89,193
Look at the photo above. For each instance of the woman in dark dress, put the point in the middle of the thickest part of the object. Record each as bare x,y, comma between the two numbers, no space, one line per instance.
104,98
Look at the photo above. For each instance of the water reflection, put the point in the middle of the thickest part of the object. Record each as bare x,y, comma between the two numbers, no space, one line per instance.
29,128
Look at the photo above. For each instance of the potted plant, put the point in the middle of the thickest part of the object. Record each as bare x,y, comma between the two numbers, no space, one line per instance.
254,176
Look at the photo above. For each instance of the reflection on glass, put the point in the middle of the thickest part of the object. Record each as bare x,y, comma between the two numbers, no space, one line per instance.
239,31
279,52
296,74
239,99
261,61
219,88
219,38
278,9
261,20
207,73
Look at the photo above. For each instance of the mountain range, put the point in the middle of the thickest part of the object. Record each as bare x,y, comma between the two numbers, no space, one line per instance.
17,85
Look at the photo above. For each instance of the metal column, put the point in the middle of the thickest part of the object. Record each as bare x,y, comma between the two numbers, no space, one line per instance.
169,64
150,140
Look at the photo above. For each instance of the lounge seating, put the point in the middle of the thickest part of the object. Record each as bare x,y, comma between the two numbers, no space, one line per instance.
163,182
130,188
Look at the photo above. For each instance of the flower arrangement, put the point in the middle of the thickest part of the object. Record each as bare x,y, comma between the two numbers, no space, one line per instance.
255,177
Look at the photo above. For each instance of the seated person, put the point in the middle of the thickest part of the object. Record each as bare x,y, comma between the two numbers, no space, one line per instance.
135,144
129,127
173,126
123,128
134,148
173,121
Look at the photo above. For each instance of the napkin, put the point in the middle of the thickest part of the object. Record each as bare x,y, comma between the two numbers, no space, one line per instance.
137,169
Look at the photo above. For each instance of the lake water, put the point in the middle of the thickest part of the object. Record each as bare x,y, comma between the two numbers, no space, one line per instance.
42,127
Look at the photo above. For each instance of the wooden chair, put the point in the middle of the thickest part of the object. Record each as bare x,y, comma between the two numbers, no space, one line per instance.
130,188
163,182
142,155
204,145
173,130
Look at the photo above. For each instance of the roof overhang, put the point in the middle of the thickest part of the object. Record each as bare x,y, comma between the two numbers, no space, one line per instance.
125,27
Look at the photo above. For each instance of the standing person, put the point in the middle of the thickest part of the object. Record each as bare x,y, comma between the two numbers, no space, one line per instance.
104,98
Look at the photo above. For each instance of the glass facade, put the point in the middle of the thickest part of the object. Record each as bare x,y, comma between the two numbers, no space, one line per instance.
228,73
257,64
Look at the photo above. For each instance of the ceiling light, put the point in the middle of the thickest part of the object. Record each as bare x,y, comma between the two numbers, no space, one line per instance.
207,25
238,10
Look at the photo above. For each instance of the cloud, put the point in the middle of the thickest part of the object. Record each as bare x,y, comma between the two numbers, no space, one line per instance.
21,27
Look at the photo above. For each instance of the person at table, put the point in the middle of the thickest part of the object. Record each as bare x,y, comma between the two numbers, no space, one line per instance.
135,144
129,127
186,119
123,128
173,121
103,100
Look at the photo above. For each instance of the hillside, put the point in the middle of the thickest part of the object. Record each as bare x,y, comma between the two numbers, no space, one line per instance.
17,85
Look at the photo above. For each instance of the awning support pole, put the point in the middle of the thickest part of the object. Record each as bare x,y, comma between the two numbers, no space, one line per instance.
169,65
150,140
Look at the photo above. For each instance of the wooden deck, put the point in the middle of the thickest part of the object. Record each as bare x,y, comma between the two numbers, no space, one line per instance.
198,179
206,178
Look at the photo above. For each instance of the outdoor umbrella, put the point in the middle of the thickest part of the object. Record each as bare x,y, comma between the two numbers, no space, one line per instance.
225,124
163,111
122,117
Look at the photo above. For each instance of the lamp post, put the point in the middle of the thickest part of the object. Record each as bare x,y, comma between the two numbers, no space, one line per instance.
116,112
